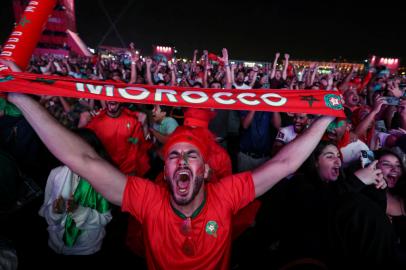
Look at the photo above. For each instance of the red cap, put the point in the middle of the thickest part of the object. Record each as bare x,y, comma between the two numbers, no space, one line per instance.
195,117
189,135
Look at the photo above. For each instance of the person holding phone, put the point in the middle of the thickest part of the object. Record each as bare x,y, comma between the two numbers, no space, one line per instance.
319,197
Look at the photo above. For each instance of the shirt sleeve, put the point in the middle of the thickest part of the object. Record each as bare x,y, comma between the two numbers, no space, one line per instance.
282,136
139,196
236,190
170,126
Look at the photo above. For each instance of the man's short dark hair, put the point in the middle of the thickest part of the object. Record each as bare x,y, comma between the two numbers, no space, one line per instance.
197,84
213,82
167,109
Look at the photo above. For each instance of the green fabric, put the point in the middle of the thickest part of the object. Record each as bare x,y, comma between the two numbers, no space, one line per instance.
194,214
133,140
85,196
9,109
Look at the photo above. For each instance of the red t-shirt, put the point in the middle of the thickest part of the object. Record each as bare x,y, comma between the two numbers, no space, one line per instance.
124,140
211,228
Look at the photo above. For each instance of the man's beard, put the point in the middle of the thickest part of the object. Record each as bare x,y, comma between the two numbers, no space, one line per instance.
186,200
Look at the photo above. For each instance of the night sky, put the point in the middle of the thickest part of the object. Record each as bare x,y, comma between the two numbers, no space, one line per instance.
251,31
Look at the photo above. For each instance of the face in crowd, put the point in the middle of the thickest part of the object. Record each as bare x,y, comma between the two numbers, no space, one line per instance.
337,129
300,122
185,172
391,169
113,108
240,77
158,114
351,97
328,163
323,83
278,74
216,85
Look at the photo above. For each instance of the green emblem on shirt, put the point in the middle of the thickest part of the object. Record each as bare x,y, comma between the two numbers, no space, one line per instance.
211,228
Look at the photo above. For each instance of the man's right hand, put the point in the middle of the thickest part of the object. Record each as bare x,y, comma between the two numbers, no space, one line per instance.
10,64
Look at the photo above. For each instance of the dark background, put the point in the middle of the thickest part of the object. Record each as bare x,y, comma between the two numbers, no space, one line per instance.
350,30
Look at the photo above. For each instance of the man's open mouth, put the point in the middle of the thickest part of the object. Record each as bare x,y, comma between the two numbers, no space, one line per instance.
182,179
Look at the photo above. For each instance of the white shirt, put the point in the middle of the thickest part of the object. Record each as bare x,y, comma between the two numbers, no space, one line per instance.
242,87
63,182
286,134
352,152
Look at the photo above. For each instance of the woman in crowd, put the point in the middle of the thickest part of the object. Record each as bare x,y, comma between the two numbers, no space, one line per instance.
332,219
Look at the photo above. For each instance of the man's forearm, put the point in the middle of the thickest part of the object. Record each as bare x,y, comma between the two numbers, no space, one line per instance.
306,142
290,157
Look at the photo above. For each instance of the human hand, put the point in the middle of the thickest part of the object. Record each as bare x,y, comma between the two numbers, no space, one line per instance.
381,184
395,90
370,174
132,46
11,65
225,55
379,101
287,56
402,108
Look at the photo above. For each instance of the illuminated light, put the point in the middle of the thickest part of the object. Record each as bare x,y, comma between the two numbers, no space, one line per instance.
390,61
396,61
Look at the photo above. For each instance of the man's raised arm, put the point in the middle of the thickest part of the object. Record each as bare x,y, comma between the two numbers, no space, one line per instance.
71,150
290,157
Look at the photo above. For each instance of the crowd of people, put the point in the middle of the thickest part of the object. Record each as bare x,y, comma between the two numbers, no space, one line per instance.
210,188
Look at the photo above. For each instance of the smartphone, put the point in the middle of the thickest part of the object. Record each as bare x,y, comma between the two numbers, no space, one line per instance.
367,157
394,101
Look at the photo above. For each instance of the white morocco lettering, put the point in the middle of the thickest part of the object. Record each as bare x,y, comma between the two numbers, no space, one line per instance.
190,97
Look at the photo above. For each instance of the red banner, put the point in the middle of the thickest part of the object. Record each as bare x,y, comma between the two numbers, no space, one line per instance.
26,33
295,101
